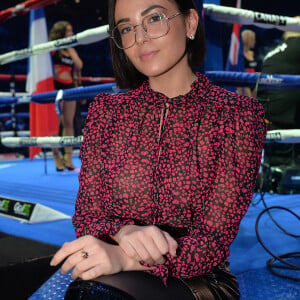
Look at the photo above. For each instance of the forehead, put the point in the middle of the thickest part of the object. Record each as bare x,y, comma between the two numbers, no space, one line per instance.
130,8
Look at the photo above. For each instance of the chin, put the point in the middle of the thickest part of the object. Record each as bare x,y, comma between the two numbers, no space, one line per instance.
153,72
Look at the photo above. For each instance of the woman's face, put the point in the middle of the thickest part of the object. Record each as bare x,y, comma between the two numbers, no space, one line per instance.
69,31
154,57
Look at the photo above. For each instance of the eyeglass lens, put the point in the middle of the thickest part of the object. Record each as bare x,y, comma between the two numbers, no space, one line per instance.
155,26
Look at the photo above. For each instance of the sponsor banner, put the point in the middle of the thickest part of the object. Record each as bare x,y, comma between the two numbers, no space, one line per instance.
16,208
269,19
28,212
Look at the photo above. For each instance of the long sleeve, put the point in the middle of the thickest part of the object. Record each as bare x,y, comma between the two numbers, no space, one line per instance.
90,217
228,180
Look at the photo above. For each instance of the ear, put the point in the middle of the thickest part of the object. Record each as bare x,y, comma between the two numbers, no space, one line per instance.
192,21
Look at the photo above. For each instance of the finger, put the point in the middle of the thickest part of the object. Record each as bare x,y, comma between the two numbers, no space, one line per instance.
142,251
156,255
91,273
160,241
129,250
62,254
82,266
66,250
173,245
71,262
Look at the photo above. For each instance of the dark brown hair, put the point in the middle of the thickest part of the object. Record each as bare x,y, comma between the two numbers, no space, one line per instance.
58,30
127,76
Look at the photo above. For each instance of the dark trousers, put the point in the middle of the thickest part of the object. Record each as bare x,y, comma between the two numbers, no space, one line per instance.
136,285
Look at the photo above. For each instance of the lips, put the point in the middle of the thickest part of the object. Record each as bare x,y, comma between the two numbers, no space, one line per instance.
145,56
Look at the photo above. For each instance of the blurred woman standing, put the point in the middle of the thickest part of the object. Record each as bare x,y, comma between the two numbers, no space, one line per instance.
66,63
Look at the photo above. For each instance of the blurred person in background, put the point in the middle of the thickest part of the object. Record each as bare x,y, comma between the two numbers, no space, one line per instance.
282,107
67,70
250,63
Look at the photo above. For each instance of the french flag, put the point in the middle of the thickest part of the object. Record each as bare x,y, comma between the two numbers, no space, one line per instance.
235,61
43,118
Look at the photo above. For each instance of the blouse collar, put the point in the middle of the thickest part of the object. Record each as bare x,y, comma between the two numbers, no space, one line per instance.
198,87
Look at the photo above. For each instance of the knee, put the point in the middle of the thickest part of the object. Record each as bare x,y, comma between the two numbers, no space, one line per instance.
67,123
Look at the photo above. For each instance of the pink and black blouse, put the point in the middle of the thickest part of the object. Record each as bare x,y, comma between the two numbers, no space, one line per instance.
188,162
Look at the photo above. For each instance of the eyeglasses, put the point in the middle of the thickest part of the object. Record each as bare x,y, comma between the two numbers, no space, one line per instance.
155,26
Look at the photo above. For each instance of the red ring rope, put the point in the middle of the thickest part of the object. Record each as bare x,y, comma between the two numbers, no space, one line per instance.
23,8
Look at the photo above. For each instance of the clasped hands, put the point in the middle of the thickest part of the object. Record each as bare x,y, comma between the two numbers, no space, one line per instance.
90,257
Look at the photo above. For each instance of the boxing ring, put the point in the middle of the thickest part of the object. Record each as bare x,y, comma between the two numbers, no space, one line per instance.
249,266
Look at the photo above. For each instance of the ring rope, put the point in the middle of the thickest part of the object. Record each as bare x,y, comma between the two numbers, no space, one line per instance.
286,136
267,81
277,81
279,136
10,133
273,81
82,38
68,94
234,15
43,142
24,8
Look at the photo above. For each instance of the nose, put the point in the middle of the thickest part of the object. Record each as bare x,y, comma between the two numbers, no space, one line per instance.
141,35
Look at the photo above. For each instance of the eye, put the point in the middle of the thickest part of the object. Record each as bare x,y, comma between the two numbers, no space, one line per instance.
125,29
154,18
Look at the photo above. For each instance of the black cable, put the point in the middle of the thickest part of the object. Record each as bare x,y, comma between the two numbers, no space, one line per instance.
279,258
276,223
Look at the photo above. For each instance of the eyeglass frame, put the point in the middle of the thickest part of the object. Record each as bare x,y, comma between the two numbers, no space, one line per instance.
135,26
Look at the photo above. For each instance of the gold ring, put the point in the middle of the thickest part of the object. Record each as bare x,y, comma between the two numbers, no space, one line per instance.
84,254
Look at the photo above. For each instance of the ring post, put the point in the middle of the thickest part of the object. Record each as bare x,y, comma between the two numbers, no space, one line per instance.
45,161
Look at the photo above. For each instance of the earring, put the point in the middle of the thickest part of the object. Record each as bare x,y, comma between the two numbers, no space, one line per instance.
192,37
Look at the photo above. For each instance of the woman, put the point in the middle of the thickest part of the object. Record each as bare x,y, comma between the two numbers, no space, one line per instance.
168,167
66,64
249,40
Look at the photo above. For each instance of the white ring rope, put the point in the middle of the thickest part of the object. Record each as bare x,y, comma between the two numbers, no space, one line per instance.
23,133
248,17
82,38
17,94
287,136
291,136
43,142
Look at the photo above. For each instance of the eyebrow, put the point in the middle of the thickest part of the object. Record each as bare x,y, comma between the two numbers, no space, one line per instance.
144,12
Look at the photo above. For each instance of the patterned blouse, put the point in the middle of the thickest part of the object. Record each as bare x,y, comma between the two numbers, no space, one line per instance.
189,161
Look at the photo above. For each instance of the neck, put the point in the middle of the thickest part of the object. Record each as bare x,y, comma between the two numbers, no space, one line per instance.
173,83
